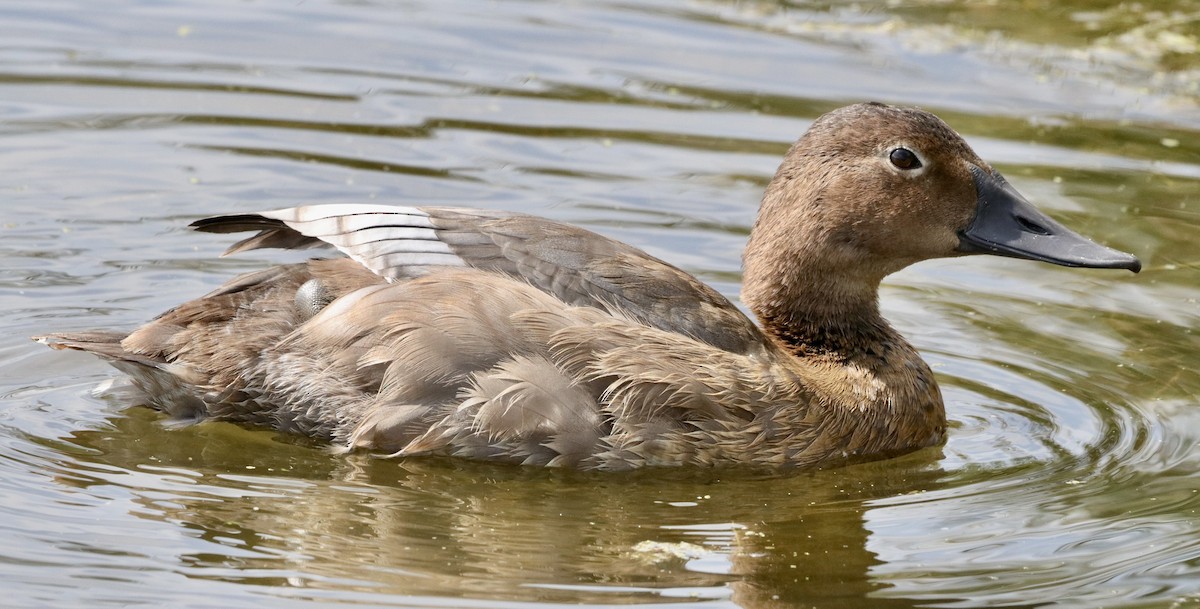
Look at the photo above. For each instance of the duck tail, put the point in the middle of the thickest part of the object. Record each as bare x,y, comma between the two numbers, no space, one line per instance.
168,387
106,345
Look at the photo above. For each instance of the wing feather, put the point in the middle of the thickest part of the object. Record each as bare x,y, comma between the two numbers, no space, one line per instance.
577,266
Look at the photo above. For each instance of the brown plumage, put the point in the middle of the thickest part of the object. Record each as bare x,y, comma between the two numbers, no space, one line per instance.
502,336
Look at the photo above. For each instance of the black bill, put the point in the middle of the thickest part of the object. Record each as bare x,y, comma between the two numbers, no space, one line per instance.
1006,224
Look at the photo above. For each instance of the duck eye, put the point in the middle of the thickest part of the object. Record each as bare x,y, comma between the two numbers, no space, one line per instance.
903,158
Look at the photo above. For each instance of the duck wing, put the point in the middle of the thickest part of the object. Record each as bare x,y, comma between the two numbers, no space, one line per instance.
575,265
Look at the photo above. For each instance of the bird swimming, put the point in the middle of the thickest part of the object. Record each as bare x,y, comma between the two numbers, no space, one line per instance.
509,337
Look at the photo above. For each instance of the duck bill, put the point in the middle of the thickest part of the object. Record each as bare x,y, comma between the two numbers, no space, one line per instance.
1006,224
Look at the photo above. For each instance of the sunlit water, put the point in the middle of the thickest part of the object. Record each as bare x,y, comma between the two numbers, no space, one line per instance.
1069,477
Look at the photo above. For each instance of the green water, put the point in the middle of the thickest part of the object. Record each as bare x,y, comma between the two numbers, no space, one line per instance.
1070,475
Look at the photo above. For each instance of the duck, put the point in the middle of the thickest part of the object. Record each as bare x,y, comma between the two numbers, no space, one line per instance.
508,337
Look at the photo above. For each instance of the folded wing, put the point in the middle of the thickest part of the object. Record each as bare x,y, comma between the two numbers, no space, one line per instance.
579,267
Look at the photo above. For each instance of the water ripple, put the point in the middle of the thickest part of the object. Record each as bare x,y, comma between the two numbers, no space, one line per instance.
1068,476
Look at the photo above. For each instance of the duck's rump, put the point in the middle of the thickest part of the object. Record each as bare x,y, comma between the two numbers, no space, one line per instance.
458,361
191,360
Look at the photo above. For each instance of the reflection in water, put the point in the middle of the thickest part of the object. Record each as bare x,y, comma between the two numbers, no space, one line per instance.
295,517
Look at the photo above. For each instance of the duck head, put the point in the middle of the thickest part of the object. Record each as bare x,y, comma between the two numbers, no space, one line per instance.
871,188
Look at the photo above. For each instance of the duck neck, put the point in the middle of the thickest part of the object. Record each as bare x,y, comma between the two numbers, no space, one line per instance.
821,314
873,378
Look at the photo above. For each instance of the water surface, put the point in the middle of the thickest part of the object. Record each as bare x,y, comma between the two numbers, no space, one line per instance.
1069,477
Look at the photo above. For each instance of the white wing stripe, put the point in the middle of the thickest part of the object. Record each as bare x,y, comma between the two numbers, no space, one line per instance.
383,233
388,240
392,261
380,248
311,213
348,224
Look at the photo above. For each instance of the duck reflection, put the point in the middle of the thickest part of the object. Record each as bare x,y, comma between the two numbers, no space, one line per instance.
279,513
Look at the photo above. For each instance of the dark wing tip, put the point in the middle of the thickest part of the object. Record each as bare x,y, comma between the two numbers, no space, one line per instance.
235,223
271,233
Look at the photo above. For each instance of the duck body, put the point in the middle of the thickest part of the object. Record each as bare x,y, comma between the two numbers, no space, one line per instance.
508,337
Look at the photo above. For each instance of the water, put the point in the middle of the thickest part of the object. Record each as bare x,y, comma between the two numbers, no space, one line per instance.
1069,477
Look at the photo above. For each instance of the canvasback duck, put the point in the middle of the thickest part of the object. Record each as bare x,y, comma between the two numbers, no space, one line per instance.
508,337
